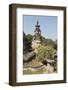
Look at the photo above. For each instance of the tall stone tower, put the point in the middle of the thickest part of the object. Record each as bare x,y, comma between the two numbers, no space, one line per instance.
36,42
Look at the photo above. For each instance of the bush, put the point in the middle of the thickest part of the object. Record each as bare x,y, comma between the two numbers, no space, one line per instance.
27,42
40,56
45,52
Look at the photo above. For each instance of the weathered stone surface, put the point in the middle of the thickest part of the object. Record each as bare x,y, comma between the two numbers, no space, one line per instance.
28,56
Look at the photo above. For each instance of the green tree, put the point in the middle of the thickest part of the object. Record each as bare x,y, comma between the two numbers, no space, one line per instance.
52,53
29,37
49,42
27,43
45,52
40,56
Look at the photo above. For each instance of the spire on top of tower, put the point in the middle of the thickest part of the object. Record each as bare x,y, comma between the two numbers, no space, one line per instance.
37,22
37,25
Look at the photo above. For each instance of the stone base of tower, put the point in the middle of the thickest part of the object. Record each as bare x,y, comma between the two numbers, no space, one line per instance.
36,44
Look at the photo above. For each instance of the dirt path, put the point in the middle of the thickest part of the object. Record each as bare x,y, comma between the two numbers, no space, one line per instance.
49,68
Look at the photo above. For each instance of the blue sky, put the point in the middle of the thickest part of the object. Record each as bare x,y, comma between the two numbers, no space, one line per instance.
48,25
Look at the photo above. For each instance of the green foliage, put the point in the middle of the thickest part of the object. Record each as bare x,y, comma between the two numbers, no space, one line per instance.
49,42
51,52
45,52
27,42
29,37
40,56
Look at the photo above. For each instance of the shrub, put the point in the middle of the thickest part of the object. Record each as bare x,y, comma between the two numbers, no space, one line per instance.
40,56
45,52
